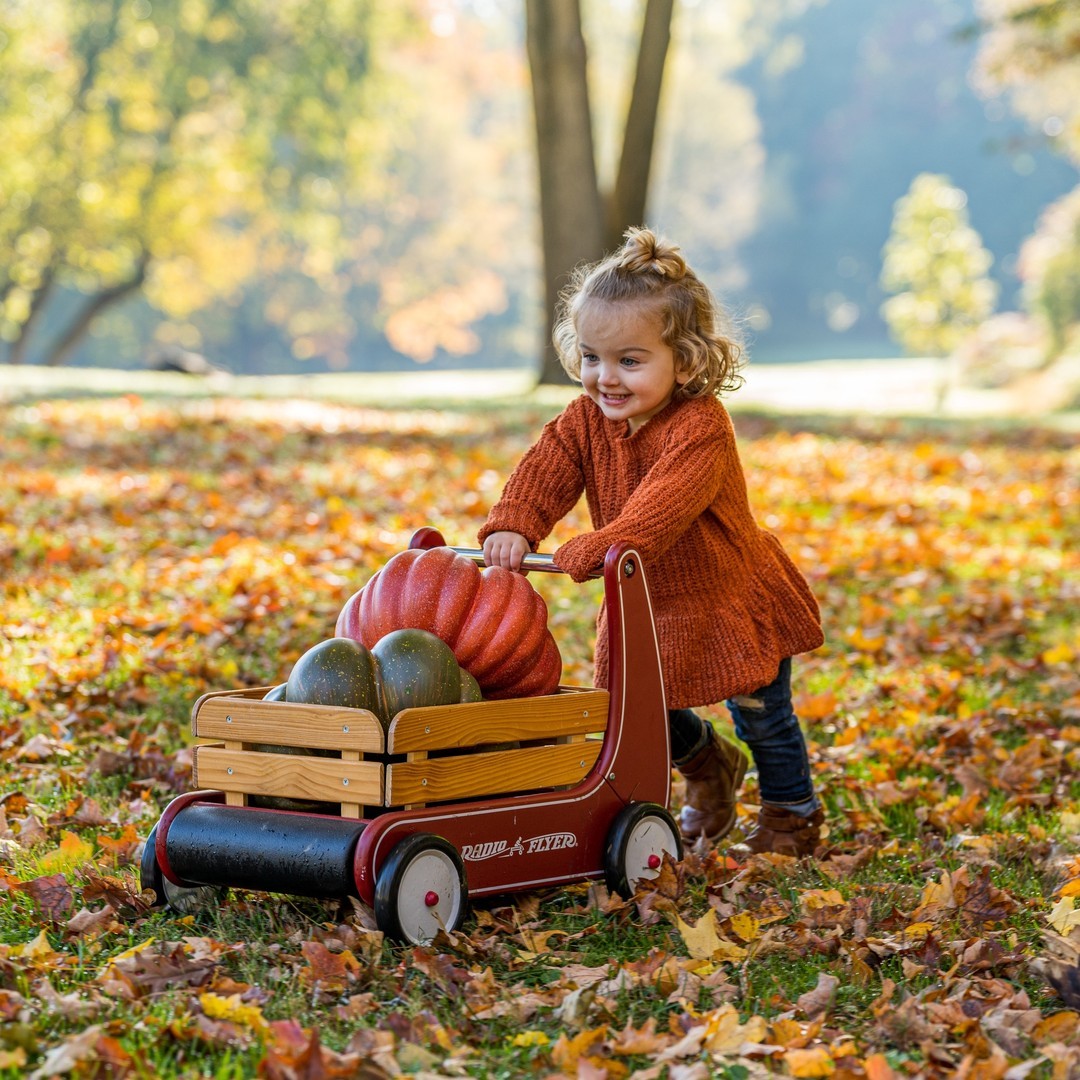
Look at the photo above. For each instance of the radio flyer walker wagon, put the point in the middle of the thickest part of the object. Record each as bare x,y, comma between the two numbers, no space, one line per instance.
417,818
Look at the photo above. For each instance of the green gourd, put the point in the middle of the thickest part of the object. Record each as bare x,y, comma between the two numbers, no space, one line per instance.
415,668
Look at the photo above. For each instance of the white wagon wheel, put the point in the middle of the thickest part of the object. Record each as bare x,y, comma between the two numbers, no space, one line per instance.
420,889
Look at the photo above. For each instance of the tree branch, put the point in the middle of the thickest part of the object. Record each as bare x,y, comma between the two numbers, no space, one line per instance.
627,203
62,350
17,352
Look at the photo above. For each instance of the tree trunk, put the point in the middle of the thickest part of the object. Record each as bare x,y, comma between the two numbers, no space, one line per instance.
17,352
628,200
65,346
578,223
571,207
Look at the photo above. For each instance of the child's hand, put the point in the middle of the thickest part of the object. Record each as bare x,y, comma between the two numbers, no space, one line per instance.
506,549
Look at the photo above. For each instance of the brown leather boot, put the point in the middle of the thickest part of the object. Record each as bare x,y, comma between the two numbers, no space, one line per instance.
713,776
781,832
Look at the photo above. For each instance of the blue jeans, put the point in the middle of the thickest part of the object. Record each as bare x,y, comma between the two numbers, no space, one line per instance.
765,720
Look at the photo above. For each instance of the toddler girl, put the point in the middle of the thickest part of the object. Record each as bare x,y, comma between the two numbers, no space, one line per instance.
654,451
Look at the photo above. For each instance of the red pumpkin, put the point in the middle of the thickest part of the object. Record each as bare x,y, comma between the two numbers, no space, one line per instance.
494,620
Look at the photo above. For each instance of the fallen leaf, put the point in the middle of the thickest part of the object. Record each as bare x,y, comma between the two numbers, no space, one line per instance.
295,1054
528,1038
725,1034
877,1067
76,1005
815,1061
703,941
85,922
52,894
819,1001
233,1009
1064,915
745,926
91,1045
568,1051
632,1041
72,853
816,899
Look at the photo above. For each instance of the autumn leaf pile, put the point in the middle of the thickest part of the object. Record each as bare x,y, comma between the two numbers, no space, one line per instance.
153,551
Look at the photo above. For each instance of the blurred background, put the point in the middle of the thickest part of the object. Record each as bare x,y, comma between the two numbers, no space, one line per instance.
348,185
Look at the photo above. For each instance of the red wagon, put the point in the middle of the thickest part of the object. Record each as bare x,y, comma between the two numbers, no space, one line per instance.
448,803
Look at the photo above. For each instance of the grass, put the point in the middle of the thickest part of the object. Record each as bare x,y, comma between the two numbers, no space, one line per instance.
144,543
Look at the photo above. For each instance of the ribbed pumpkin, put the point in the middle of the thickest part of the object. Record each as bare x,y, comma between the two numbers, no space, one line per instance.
494,620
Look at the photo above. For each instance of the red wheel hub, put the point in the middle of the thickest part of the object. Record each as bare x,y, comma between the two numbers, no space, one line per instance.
432,898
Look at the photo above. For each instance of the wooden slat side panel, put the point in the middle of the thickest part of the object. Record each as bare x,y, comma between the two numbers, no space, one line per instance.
473,776
513,719
288,776
285,723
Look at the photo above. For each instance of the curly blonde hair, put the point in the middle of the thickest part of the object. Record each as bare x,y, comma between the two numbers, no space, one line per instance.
648,269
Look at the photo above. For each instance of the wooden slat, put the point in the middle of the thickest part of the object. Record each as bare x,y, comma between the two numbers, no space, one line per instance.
574,712
286,723
235,798
472,776
256,692
289,776
350,809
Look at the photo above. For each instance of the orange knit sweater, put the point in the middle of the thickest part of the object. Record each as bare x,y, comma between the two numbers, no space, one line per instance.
729,603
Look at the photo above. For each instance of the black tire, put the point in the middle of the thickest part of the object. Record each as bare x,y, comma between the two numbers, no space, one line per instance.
182,900
420,889
636,844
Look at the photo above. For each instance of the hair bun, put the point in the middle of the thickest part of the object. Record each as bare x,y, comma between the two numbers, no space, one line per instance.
646,253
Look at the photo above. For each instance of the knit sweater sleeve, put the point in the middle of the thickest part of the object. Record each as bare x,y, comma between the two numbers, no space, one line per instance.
697,460
546,484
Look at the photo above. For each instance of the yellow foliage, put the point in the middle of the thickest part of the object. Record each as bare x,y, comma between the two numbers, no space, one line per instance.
528,1038
233,1009
1064,916
1059,654
746,926
703,940
816,899
72,852
918,929
813,1062
726,1034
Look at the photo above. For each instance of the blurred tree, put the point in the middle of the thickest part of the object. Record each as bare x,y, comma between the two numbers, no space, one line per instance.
579,221
1032,48
177,148
1050,269
855,97
936,265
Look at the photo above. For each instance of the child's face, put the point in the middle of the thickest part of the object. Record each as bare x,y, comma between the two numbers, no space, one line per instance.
625,366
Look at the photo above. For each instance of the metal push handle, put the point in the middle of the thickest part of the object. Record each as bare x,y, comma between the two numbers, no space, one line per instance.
543,563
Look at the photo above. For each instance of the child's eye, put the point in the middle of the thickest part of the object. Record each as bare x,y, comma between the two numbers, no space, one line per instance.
588,358
628,361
